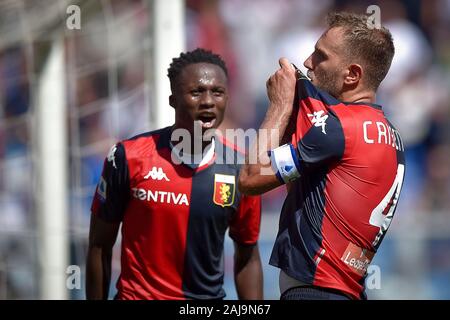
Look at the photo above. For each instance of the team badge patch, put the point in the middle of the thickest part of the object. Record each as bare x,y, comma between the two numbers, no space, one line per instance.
101,189
224,189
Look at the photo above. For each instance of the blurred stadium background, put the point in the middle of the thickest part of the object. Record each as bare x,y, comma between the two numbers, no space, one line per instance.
67,95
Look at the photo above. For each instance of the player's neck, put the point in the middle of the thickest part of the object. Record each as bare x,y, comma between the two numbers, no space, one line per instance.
366,96
196,139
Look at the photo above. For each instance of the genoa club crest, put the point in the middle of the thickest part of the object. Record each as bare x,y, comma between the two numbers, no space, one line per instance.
224,188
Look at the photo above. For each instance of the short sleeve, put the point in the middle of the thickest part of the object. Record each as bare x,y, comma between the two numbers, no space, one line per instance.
112,193
322,143
245,224
319,134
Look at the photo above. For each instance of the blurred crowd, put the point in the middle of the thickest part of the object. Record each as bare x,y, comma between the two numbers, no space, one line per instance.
108,99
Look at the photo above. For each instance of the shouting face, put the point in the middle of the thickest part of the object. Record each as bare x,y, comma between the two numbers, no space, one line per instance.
200,95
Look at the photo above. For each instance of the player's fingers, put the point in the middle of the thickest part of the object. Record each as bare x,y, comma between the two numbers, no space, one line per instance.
268,82
284,63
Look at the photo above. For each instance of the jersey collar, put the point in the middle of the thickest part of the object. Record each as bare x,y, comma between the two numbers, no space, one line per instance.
187,158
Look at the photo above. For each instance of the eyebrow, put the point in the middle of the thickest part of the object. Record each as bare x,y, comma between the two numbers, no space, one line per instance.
202,86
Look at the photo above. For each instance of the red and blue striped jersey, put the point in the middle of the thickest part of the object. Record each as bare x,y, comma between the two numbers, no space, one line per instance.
174,218
337,213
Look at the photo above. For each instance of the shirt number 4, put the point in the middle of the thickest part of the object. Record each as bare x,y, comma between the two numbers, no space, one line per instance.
382,215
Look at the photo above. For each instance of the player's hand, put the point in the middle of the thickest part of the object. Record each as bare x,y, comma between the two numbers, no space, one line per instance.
281,86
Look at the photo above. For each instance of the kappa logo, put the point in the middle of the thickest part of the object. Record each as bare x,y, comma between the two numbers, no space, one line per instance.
111,155
156,174
319,119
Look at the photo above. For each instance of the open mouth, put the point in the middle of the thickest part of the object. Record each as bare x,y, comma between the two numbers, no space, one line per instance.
207,120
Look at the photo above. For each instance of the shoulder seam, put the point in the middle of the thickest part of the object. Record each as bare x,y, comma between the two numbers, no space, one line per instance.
343,131
147,134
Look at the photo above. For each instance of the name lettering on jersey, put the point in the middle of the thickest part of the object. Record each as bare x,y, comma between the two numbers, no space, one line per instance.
319,119
358,259
156,174
160,196
111,155
224,187
385,135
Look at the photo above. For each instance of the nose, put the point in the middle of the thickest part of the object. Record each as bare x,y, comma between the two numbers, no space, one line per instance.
308,63
207,100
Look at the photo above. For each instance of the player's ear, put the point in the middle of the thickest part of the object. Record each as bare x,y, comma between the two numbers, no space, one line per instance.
172,101
354,74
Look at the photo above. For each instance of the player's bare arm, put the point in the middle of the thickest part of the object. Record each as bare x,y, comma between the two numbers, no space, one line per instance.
281,93
102,236
248,275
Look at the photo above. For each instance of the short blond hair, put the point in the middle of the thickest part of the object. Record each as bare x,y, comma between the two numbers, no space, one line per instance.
374,47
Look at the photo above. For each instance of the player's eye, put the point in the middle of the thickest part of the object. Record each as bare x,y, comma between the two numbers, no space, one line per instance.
218,92
320,55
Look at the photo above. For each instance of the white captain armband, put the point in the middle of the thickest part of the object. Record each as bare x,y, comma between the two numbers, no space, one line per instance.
285,163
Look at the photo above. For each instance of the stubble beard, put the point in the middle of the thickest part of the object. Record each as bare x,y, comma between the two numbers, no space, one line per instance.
326,81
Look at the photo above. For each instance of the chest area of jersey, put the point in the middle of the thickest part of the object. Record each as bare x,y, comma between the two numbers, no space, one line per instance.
158,184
